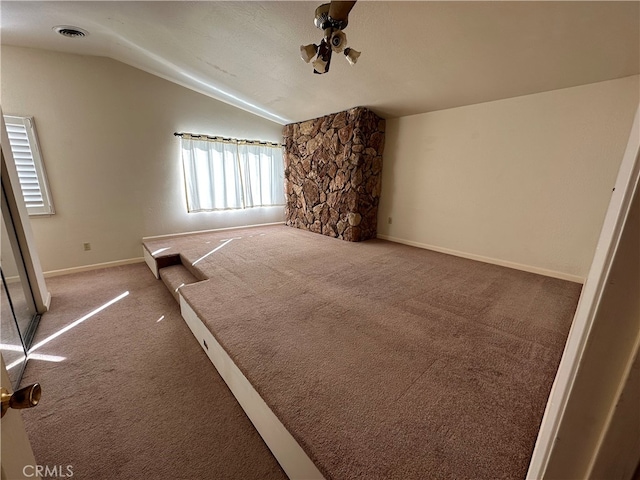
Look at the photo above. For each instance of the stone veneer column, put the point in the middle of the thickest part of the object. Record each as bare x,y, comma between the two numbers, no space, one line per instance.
333,168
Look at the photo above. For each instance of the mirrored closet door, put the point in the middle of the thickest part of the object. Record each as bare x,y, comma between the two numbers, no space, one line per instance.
18,315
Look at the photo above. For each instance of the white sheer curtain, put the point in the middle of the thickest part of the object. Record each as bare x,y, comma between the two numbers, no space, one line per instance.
224,174
212,175
263,174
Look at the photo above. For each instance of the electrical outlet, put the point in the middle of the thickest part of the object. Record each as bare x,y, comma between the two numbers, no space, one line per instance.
87,246
389,220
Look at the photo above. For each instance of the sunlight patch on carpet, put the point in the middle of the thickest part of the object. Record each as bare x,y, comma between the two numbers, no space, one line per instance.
16,363
77,322
225,242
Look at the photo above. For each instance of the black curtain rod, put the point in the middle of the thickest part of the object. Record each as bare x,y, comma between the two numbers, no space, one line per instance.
208,137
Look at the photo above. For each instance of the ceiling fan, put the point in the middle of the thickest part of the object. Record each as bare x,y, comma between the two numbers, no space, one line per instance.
332,18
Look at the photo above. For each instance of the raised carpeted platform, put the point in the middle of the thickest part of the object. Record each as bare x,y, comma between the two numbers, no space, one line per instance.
383,360
124,395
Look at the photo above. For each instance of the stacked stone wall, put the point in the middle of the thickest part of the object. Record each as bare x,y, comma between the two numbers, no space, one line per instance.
333,168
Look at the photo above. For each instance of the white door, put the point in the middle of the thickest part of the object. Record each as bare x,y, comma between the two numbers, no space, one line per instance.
17,461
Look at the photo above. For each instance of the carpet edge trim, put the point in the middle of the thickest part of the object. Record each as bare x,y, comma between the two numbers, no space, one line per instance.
284,447
182,234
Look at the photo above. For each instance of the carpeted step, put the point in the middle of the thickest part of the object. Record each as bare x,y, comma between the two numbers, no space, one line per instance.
193,269
176,276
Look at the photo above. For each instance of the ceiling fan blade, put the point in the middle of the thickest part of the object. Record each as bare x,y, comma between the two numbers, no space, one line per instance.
339,10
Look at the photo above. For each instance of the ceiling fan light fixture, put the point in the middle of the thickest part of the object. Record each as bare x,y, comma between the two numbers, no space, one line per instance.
307,52
321,16
352,55
323,60
332,19
320,65
338,41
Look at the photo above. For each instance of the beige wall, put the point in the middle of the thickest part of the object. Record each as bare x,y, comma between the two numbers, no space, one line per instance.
523,181
106,133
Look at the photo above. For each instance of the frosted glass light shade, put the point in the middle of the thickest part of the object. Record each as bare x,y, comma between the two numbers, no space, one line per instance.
352,55
320,65
307,52
338,41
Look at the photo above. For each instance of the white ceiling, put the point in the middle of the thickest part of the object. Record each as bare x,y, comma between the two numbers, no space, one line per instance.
416,56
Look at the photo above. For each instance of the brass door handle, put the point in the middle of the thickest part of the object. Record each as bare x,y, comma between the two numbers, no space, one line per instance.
26,397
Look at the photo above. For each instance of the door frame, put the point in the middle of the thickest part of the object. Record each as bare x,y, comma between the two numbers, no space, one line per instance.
587,310
15,209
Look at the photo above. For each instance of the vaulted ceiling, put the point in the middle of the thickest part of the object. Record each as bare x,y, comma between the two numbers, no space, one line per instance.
416,56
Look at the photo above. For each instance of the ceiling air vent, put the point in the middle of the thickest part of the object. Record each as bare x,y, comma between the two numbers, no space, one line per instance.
71,32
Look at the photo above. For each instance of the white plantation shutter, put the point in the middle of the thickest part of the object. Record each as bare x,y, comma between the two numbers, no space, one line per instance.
26,154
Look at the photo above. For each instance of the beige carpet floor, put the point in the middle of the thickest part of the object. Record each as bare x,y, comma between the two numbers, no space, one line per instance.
132,396
383,360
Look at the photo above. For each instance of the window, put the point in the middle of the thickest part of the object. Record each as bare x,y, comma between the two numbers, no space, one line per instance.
28,160
223,174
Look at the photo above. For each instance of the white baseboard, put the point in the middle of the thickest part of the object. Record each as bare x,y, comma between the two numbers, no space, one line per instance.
12,280
493,261
293,459
95,266
47,302
174,235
